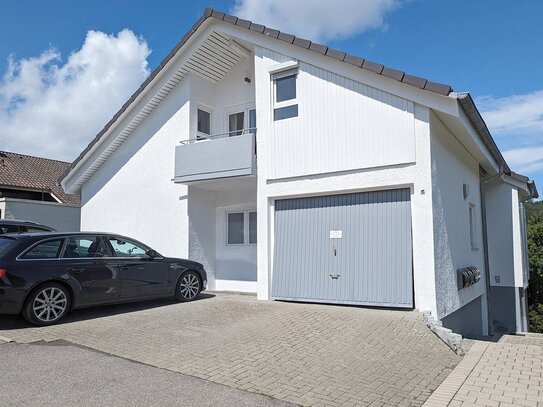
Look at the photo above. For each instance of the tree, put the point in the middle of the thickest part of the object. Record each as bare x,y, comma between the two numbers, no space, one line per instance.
534,214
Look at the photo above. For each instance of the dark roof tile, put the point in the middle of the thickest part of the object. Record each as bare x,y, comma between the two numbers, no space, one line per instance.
29,172
414,81
321,49
356,61
300,42
334,53
243,23
286,37
230,19
440,88
393,73
271,32
218,15
373,67
259,28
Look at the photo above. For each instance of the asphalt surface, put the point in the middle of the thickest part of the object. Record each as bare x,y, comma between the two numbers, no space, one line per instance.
62,374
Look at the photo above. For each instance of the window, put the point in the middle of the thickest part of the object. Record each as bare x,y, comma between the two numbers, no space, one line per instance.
89,246
36,229
9,229
49,249
285,102
241,228
473,226
204,123
236,123
127,248
285,88
236,228
252,120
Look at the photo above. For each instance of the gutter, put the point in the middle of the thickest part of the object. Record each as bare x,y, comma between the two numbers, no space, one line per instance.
469,108
485,245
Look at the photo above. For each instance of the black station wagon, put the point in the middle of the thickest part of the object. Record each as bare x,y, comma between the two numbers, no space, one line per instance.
45,275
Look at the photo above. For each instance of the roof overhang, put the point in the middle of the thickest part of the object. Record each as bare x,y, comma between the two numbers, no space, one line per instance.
456,110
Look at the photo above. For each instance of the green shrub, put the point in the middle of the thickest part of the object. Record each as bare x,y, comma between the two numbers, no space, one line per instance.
536,318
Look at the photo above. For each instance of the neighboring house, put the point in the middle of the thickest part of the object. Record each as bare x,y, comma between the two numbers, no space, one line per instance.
302,173
30,190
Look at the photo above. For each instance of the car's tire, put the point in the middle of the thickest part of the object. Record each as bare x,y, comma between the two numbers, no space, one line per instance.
188,286
47,304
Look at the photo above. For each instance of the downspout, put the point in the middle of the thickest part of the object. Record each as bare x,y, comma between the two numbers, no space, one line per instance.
485,246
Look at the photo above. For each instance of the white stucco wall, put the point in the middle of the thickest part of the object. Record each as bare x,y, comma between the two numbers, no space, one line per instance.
132,192
453,166
235,264
505,240
61,217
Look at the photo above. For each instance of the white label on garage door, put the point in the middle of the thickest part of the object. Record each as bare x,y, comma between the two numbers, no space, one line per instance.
336,234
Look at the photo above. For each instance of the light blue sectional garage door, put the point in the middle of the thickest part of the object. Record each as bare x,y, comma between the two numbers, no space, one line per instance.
348,249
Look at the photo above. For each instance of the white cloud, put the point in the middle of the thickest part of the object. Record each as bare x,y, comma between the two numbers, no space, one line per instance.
318,20
53,108
516,122
516,114
527,160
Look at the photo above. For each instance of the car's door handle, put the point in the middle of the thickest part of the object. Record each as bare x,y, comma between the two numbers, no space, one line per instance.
76,270
124,267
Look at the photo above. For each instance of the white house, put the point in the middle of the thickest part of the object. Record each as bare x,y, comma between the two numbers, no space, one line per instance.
299,172
30,190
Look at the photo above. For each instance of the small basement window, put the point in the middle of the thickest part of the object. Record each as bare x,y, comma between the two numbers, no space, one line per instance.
285,102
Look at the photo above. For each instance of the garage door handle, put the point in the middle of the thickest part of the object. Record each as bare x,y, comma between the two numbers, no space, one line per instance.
335,276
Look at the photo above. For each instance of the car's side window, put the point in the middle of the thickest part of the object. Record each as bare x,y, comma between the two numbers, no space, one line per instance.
85,246
49,249
127,248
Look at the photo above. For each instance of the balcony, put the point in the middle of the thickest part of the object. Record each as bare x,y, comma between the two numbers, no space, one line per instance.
214,157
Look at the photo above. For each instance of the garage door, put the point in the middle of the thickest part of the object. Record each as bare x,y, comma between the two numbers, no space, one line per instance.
347,249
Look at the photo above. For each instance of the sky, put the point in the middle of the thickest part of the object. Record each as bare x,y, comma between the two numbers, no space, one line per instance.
67,66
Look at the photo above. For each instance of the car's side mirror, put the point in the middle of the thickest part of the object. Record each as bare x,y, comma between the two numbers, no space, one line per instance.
152,253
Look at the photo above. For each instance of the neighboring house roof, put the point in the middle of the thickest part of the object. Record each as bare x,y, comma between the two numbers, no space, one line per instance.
421,83
34,173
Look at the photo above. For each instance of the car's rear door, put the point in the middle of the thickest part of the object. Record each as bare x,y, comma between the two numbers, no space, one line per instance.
88,261
140,275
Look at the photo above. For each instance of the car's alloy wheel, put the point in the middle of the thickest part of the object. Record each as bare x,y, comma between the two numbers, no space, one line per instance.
47,304
189,286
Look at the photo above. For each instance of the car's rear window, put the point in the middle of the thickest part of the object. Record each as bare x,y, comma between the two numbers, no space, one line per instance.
49,249
8,229
5,244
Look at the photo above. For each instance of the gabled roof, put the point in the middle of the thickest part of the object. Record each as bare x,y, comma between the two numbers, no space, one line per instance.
34,173
417,82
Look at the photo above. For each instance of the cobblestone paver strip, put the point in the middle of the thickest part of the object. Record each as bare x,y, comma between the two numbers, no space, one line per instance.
309,354
507,373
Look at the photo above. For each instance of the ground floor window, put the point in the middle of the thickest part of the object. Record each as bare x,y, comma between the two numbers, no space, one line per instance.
241,228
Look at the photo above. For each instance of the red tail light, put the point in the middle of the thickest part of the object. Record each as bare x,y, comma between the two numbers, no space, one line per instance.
2,272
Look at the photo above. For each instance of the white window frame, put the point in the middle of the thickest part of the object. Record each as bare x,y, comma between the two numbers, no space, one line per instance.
208,109
243,107
472,218
245,228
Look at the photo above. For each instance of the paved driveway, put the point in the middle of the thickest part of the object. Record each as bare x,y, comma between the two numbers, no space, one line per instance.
503,374
309,354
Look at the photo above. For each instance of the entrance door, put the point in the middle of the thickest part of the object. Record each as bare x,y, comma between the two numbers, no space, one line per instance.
350,249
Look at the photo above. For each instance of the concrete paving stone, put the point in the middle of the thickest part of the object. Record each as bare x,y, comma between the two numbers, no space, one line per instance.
300,352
